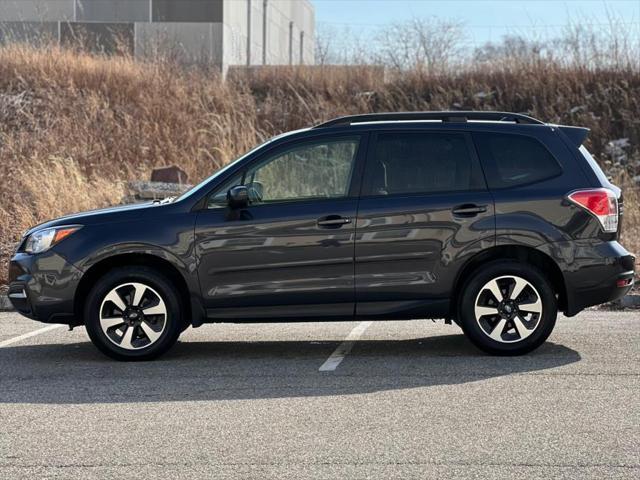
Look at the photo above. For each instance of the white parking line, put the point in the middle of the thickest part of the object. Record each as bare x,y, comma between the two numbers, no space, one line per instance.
13,340
344,348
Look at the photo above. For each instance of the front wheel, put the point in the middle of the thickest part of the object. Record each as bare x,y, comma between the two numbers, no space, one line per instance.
133,313
508,308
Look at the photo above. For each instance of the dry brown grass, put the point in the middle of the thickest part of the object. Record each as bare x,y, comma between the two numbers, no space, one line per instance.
74,127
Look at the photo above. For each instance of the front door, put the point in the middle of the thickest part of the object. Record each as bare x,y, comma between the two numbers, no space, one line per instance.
289,254
424,211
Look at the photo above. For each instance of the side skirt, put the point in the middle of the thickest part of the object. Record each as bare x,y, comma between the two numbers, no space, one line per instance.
393,310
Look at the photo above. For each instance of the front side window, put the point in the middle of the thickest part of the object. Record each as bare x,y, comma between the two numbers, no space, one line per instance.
421,163
512,160
315,170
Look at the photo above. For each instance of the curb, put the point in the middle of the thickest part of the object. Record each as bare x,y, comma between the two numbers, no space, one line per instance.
5,304
628,301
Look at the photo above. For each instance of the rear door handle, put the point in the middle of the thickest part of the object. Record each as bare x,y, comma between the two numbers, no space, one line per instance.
469,210
333,221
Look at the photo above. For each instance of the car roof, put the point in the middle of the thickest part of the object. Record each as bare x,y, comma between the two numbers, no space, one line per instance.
488,121
479,121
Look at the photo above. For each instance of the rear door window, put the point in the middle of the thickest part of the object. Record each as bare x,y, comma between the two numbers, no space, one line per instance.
406,163
512,160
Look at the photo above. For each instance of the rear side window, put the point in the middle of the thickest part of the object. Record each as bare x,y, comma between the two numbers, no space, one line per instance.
512,160
418,162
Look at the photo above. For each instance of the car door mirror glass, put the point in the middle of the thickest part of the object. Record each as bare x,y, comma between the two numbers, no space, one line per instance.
255,191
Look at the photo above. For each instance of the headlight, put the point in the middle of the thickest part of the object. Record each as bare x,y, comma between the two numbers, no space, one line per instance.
46,238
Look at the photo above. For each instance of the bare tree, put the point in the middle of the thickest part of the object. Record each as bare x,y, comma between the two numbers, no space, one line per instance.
615,44
341,47
511,48
325,44
439,41
429,44
398,47
435,45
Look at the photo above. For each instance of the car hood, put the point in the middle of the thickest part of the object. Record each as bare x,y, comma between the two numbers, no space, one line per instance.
96,216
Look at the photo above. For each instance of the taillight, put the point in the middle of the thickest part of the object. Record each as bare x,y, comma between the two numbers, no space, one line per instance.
601,203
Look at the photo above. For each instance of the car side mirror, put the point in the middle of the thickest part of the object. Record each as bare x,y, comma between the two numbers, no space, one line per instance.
238,197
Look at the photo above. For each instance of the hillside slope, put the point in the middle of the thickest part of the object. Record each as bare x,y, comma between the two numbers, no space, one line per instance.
74,127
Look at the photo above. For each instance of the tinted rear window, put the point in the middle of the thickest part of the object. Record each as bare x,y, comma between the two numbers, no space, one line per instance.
417,162
511,160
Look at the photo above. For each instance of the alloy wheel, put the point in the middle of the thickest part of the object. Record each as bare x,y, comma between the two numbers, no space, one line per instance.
508,309
133,316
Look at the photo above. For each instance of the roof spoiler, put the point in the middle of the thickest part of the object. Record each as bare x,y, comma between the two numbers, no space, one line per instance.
576,135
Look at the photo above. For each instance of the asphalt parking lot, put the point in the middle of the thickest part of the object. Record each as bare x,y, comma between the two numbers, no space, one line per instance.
401,400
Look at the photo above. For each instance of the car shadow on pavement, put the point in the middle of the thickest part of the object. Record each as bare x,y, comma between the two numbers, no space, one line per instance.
197,371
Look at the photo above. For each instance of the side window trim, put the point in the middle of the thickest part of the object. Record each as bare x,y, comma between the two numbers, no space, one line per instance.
475,157
355,179
370,157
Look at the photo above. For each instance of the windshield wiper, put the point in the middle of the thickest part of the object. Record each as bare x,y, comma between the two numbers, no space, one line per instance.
164,200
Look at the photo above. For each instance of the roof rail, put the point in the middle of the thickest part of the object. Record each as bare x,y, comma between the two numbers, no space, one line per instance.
454,117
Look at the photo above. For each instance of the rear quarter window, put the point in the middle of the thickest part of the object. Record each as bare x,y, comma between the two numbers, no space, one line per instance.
602,178
511,160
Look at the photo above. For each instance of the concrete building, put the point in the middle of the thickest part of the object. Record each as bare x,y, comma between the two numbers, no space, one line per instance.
223,32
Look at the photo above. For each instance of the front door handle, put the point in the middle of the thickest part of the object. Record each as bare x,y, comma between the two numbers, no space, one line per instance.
333,221
469,210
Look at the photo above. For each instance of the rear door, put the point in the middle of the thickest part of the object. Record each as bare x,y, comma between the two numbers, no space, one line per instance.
424,210
529,177
289,254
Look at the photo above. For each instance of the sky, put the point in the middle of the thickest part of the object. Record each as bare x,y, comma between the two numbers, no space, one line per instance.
484,20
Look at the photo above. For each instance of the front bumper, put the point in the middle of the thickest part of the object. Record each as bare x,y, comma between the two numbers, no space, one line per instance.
602,273
42,287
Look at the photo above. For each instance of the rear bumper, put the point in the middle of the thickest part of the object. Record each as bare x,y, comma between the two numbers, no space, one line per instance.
600,273
42,287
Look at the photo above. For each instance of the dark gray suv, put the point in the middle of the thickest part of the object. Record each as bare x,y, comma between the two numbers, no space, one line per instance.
494,220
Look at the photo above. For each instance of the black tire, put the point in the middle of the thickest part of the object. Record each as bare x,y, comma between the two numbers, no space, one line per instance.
171,321
478,334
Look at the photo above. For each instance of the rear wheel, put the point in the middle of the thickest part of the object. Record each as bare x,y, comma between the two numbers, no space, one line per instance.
133,313
508,308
